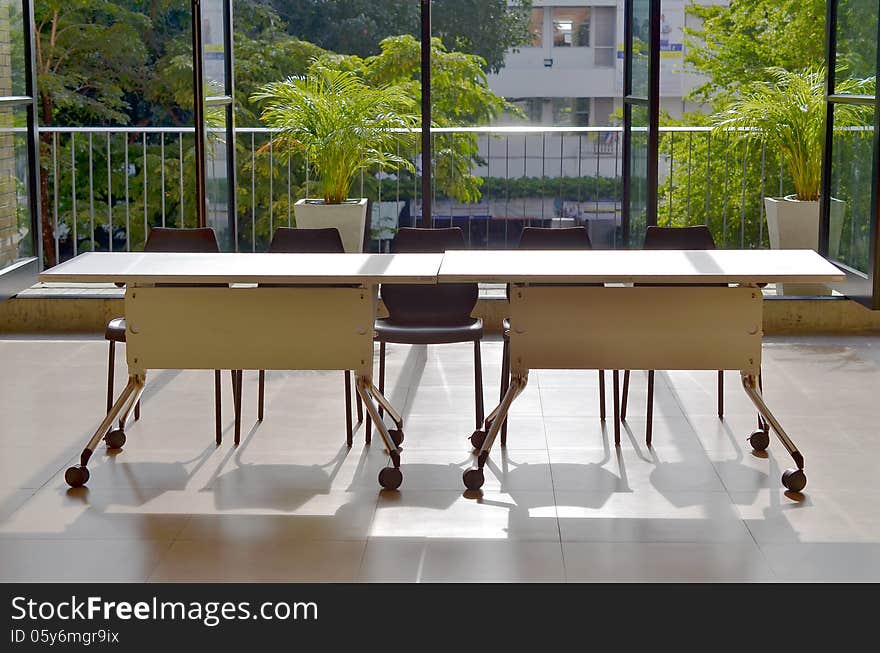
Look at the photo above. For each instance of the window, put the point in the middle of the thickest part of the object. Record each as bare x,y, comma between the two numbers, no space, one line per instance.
536,28
532,107
571,112
571,27
19,212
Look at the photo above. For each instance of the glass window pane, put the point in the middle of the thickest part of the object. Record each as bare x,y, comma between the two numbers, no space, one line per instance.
12,80
213,46
857,39
571,27
641,44
851,183
536,27
638,196
216,178
16,241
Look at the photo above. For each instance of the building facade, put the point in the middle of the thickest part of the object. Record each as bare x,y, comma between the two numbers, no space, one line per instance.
571,72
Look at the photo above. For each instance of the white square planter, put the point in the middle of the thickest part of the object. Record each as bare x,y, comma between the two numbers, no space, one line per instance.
794,224
350,218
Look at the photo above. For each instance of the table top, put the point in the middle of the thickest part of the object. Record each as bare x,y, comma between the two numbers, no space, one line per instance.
638,266
501,266
140,267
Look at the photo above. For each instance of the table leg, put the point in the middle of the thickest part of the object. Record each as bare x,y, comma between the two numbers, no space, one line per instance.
473,478
78,475
793,479
390,478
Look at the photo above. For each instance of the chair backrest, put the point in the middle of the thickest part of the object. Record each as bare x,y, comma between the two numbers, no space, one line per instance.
698,237
429,304
427,241
202,240
679,238
190,241
291,240
549,238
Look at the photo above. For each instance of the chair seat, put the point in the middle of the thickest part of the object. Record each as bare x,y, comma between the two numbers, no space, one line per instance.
115,330
428,334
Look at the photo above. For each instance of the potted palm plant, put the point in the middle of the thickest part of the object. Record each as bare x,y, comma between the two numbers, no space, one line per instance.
788,113
342,127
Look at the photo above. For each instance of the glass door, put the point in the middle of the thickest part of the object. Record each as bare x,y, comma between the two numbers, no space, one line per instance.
21,248
641,89
215,184
849,197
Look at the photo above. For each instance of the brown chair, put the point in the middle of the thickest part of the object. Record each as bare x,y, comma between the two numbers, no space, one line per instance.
311,241
165,239
540,238
430,314
672,238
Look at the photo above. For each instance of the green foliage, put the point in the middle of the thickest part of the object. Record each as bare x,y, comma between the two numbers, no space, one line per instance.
717,180
788,114
736,43
486,28
340,124
460,96
89,55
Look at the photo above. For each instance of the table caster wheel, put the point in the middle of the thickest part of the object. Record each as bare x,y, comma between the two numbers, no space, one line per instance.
794,480
473,479
76,476
477,439
396,436
115,439
390,478
759,440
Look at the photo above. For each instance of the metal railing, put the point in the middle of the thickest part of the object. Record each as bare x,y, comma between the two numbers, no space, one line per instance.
107,186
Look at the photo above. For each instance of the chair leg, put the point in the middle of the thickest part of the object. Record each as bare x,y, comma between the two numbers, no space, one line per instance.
381,374
625,395
349,436
478,384
137,410
111,368
649,424
720,394
360,407
505,384
262,396
615,380
236,397
217,412
602,395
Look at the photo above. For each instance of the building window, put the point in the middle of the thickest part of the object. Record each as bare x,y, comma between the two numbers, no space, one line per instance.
571,27
536,28
532,107
571,111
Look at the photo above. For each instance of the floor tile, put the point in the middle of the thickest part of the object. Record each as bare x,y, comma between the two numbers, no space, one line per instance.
446,561
665,562
267,561
522,515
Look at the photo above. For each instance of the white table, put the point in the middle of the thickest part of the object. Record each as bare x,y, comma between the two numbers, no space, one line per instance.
322,319
559,323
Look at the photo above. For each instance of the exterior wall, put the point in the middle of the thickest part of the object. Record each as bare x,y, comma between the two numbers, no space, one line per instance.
69,314
595,72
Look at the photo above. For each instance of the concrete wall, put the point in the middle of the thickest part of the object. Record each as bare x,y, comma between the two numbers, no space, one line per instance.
90,315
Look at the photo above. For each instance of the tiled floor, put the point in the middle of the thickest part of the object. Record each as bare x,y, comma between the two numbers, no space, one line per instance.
292,503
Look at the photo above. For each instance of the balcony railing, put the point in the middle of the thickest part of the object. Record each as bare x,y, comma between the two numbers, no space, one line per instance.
107,186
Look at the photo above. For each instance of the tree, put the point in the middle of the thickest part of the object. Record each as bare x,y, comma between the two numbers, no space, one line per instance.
718,180
88,53
460,96
736,44
487,28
